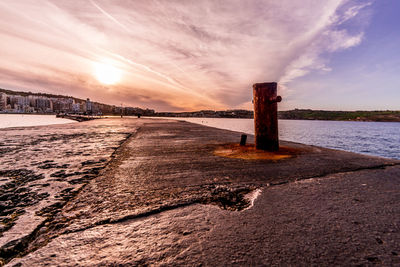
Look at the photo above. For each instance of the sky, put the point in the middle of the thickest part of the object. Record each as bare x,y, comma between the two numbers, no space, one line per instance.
205,54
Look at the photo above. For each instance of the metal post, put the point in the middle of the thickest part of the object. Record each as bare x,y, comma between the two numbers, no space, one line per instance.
266,116
243,139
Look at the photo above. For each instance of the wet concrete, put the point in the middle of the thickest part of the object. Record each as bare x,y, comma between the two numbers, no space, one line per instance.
42,167
166,197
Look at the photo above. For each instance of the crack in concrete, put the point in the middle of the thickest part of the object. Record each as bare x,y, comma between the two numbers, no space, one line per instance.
225,198
376,167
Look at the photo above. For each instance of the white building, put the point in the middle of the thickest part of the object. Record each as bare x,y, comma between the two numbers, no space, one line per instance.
23,101
3,101
89,106
76,108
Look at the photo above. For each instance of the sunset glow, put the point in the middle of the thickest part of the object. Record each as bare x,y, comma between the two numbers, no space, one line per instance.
107,73
191,55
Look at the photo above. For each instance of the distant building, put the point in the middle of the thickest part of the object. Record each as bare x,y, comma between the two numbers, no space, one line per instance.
148,112
62,104
76,108
23,103
3,101
83,106
43,104
13,101
89,106
32,100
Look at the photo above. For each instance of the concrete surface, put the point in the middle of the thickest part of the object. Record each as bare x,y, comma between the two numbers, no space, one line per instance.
166,198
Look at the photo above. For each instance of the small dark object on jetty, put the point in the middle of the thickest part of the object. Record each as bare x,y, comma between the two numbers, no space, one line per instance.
243,139
266,116
138,116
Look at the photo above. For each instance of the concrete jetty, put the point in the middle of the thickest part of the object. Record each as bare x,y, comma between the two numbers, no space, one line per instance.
79,118
177,193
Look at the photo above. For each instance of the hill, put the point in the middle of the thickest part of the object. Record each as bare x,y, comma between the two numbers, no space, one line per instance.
308,114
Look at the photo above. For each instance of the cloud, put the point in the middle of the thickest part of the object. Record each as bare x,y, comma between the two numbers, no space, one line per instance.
340,40
181,55
331,38
353,11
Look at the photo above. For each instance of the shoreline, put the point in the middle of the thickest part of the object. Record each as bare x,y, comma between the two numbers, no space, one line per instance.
218,117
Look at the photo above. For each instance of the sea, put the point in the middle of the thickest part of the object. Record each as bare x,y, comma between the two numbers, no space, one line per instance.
372,138
24,120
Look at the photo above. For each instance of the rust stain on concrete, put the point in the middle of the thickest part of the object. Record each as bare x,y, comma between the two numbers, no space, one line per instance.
249,152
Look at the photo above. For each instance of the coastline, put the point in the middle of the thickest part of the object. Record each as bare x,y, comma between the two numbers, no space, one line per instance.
132,178
308,115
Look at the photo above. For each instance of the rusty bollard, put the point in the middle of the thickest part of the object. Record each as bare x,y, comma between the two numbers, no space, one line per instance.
243,139
266,116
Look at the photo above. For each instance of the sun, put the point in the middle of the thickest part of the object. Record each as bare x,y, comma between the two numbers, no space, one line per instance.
107,73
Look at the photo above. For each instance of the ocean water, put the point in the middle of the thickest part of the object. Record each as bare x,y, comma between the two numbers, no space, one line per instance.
23,120
372,138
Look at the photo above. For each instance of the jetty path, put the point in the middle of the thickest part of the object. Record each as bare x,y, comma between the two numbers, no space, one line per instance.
162,192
